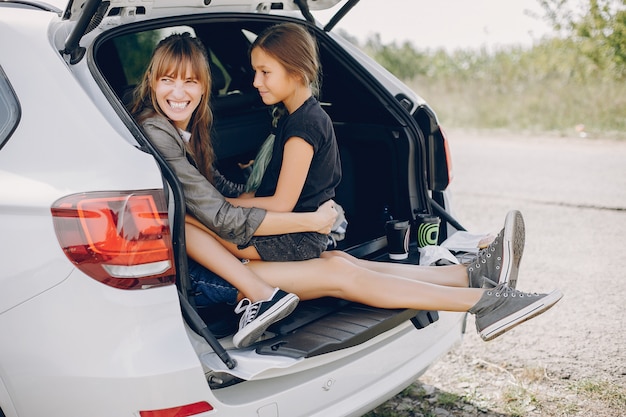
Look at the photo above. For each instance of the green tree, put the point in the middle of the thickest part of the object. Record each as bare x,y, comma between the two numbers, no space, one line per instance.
404,61
598,28
136,50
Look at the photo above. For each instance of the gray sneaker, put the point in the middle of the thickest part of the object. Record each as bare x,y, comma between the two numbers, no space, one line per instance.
499,262
502,308
257,317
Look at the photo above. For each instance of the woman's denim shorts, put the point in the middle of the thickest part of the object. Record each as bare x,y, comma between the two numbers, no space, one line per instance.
208,287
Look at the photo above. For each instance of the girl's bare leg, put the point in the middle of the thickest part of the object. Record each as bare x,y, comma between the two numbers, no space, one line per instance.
210,253
248,253
451,276
336,276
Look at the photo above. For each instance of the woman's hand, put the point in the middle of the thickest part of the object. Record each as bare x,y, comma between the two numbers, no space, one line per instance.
326,216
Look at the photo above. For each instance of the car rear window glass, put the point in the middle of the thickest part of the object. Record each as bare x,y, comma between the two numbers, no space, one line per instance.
136,49
9,109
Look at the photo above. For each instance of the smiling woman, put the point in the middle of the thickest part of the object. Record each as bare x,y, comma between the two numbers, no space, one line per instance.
168,90
172,105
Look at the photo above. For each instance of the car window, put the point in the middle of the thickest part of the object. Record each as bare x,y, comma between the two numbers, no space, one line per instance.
135,50
9,109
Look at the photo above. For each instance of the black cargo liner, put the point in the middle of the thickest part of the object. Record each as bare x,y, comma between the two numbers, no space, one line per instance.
324,325
342,325
329,324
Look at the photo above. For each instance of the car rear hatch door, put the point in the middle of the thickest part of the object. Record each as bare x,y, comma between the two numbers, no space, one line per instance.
87,15
158,8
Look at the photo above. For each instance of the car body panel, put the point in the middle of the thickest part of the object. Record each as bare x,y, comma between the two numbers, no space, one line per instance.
370,374
34,172
132,341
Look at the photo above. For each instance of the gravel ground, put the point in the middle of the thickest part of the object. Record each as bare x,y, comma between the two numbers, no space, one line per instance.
570,361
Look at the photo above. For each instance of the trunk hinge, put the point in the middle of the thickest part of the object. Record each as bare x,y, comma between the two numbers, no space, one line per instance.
91,16
340,14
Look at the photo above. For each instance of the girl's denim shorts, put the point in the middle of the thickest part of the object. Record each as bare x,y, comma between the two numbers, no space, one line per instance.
289,247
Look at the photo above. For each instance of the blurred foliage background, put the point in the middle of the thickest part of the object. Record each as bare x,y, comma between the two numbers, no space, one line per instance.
573,83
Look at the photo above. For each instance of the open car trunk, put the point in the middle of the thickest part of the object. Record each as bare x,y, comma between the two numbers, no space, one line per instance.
382,154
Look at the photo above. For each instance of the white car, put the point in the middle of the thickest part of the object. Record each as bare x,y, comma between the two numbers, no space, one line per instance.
96,314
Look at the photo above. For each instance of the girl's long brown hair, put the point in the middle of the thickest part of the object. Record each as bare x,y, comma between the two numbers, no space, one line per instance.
173,55
295,48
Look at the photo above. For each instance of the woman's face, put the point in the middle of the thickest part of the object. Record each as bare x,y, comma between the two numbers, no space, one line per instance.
178,96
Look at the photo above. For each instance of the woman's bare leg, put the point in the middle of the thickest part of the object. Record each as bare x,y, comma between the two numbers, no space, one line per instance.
210,253
450,275
338,277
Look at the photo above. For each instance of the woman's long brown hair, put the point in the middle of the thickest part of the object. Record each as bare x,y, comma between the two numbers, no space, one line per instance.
174,55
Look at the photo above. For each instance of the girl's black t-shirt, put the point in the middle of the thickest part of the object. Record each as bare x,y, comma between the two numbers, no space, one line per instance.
311,123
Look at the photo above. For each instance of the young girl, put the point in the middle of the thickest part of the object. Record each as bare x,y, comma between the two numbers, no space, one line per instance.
497,306
304,168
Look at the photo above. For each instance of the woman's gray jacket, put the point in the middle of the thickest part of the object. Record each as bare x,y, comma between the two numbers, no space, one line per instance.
203,200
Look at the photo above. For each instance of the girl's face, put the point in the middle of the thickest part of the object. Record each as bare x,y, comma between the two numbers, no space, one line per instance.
178,96
275,84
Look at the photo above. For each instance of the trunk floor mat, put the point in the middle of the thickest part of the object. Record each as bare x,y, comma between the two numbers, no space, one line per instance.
328,324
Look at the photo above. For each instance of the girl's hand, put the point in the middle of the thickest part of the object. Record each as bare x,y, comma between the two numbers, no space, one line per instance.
244,166
327,215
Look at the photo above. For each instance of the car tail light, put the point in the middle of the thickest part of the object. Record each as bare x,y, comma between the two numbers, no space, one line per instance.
120,238
183,411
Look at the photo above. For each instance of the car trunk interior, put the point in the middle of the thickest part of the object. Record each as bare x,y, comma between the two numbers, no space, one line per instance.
375,149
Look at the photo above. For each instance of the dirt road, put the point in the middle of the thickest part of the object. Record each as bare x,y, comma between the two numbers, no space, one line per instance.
571,361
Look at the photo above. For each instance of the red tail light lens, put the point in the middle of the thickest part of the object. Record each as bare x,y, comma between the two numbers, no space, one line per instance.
183,411
120,238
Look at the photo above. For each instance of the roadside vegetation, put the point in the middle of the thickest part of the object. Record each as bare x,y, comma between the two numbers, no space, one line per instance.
571,84
576,78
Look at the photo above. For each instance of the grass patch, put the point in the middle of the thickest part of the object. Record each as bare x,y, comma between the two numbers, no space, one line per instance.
448,399
614,396
424,401
518,401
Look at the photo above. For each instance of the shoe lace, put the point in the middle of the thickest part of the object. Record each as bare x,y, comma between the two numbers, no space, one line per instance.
481,258
485,253
249,309
503,290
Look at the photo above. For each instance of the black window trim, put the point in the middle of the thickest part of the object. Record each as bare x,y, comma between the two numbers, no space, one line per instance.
10,102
